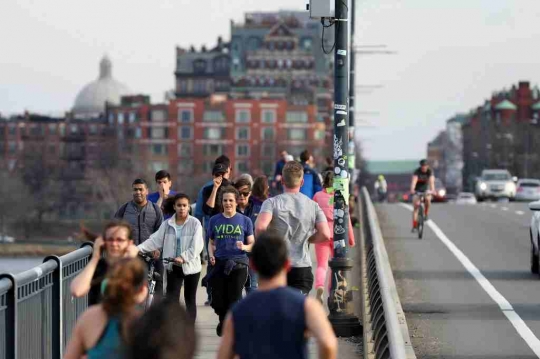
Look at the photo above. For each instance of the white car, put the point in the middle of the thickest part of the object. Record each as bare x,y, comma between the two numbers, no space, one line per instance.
6,239
495,184
528,190
466,198
535,236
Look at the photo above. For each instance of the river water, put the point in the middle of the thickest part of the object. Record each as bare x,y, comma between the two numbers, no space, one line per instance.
18,264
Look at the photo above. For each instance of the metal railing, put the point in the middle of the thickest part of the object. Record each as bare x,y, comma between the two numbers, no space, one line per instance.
385,328
37,311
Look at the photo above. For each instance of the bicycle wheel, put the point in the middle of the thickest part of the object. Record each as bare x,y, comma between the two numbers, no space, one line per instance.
420,221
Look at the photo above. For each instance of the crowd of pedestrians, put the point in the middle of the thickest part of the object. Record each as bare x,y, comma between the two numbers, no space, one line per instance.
253,234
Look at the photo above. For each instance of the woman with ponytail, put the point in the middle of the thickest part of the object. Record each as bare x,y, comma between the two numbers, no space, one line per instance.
101,331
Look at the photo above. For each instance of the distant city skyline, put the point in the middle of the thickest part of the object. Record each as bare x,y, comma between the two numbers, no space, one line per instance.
451,56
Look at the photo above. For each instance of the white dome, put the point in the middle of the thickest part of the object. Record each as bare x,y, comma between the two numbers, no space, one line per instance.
92,98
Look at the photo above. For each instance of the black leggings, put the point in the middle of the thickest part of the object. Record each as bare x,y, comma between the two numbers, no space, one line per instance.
175,279
227,289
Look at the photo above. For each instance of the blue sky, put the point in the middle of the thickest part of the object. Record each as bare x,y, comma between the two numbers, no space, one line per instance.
451,55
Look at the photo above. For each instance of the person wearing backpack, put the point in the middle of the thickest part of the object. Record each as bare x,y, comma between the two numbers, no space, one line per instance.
145,217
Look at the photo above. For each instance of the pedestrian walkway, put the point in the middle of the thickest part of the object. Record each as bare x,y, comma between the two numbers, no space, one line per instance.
207,321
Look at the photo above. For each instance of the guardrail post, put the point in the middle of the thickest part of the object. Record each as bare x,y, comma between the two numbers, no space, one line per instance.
57,309
11,318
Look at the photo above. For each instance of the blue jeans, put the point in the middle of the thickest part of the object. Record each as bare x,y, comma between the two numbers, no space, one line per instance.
252,282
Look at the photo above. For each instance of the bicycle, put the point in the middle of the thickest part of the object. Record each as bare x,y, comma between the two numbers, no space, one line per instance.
421,213
153,277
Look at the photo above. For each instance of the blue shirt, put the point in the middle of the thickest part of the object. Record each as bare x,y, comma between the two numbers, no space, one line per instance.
154,197
199,213
226,232
270,324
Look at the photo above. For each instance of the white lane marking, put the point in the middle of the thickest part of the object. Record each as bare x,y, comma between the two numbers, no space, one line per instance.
523,330
493,205
504,208
520,213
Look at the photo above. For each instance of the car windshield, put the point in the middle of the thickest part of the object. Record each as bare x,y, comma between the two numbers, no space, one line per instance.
529,184
496,177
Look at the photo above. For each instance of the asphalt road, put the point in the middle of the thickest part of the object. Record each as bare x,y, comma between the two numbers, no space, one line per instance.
449,314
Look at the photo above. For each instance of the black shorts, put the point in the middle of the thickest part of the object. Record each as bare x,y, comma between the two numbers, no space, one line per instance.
301,279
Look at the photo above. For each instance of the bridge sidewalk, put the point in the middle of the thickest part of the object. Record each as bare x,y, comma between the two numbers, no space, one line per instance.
209,342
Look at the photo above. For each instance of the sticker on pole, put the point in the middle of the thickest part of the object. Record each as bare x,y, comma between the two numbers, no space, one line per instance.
344,113
342,52
340,107
339,244
341,123
342,185
352,161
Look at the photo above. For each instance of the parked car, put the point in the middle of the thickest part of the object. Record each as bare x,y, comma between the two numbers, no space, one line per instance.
466,198
4,238
528,190
494,184
534,233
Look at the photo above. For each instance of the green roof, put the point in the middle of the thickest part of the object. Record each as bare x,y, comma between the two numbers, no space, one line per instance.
391,167
506,105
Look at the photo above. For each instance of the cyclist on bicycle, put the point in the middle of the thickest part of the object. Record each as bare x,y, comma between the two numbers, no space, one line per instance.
422,180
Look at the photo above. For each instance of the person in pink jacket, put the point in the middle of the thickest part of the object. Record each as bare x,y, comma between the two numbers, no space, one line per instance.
326,249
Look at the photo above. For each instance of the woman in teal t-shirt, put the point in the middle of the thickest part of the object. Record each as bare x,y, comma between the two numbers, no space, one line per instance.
231,236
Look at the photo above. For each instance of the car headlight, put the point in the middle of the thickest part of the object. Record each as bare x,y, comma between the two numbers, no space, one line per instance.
483,186
510,186
442,192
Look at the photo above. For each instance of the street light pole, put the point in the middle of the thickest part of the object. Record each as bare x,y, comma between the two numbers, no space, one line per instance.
340,303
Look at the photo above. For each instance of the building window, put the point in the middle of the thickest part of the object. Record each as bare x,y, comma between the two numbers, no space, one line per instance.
120,118
199,86
296,134
138,132
297,116
199,66
242,133
158,132
213,116
307,43
268,134
12,147
242,166
243,116
242,150
319,134
214,133
182,86
268,116
185,166
74,129
62,129
185,116
12,130
208,166
185,150
268,150
213,150
133,117
159,149
184,133
158,116
52,129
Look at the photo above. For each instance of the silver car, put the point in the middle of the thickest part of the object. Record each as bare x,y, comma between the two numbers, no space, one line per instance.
528,190
495,184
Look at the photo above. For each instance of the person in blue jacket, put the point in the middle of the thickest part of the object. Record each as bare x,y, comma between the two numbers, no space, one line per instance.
312,180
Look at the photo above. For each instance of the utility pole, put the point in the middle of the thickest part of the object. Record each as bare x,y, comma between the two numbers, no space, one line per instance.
340,302
352,89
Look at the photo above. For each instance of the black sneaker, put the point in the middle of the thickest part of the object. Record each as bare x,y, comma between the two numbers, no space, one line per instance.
219,329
